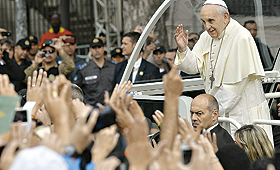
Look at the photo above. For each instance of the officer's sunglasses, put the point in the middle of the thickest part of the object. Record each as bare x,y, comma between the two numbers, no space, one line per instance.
50,51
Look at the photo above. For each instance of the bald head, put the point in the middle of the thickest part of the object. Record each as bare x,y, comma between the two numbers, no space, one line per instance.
209,100
204,111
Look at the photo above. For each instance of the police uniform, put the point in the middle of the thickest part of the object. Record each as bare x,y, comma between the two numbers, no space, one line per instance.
79,62
12,69
94,80
24,44
66,67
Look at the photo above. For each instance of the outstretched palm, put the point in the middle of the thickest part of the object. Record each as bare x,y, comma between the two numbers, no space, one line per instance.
181,38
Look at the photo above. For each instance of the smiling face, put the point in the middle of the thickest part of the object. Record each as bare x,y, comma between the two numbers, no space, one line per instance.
214,22
127,46
20,53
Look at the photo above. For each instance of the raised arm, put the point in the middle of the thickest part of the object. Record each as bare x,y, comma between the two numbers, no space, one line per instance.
181,38
173,85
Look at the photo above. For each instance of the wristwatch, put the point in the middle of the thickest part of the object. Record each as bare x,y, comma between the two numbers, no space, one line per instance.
70,150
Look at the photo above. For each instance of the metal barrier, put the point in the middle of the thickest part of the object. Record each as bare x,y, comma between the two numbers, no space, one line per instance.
230,120
272,95
266,122
82,49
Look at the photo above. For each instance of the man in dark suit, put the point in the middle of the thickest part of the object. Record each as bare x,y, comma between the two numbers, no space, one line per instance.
143,70
205,112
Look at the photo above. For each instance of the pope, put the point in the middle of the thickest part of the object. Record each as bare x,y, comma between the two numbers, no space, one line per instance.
229,63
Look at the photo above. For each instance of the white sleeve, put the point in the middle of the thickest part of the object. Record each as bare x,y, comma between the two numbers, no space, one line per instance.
229,95
186,61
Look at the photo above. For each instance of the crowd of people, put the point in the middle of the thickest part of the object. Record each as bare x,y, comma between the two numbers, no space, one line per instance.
83,118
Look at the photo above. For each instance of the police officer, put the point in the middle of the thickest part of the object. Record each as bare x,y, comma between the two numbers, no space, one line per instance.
116,56
95,77
34,46
45,59
21,53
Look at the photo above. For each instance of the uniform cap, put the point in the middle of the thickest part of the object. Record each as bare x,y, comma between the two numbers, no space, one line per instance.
96,42
33,39
117,51
24,44
160,49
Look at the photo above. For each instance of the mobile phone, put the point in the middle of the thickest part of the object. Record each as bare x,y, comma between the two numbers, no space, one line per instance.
23,115
6,34
186,152
155,137
106,118
49,42
70,40
41,131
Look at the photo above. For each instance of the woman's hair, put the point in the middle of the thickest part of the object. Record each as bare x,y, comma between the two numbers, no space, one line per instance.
254,141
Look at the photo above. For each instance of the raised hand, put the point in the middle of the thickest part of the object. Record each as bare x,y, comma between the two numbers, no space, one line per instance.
139,152
34,87
38,59
77,107
123,116
209,150
105,141
212,139
187,132
22,135
43,116
59,43
6,88
135,109
2,30
53,142
181,38
8,155
121,91
158,117
110,163
199,159
81,133
172,83
57,107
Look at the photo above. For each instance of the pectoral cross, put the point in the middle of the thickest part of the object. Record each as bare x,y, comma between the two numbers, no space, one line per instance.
212,79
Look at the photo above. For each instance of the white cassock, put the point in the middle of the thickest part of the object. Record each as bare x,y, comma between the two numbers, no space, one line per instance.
237,70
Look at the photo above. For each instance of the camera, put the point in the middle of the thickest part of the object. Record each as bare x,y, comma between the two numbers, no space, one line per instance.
106,118
23,115
186,152
6,34
70,40
49,42
45,55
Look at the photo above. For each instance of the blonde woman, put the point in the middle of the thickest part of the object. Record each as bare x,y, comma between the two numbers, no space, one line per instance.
254,140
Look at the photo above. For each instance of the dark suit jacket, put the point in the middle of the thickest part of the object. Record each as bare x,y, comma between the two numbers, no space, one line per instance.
146,71
223,137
